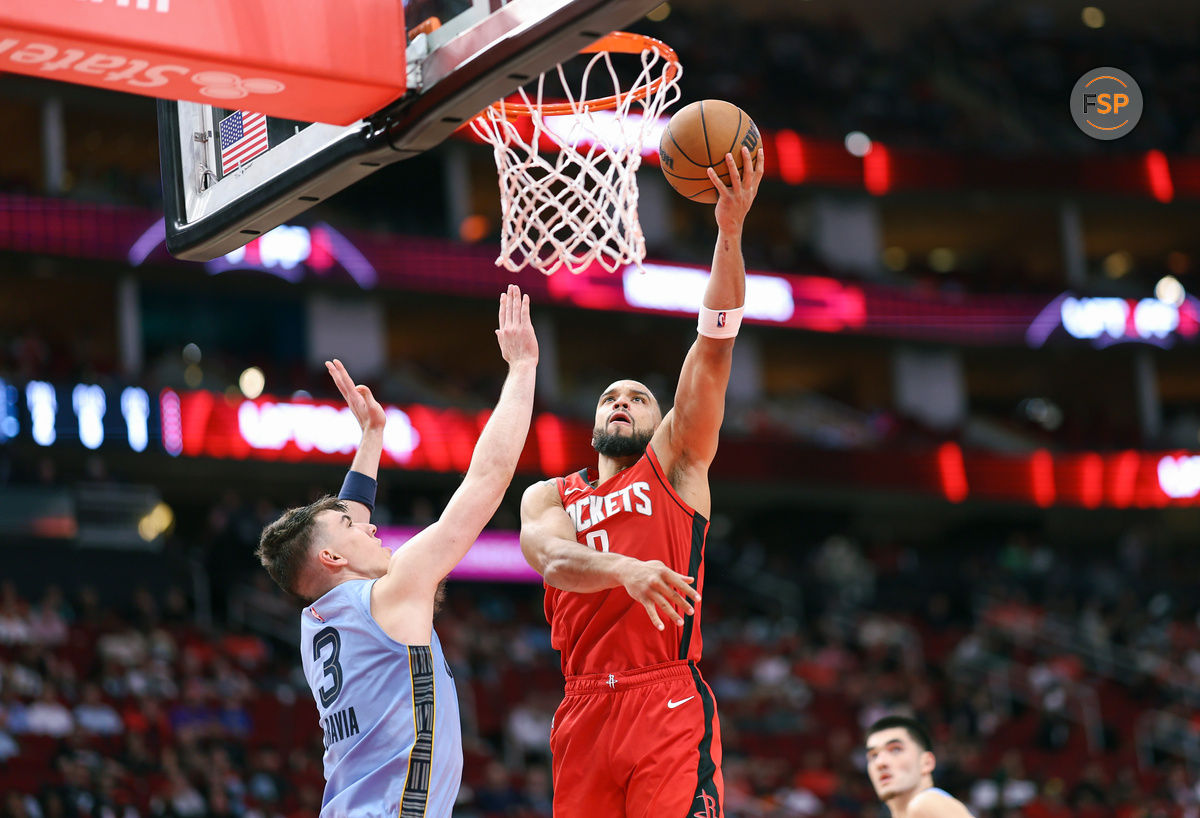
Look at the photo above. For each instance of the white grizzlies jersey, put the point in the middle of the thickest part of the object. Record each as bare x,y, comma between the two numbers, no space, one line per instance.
393,742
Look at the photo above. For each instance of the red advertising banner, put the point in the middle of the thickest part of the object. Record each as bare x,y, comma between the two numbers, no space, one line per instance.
424,438
417,437
309,60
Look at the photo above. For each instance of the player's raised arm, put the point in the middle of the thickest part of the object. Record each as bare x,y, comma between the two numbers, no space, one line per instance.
549,545
358,491
417,567
687,437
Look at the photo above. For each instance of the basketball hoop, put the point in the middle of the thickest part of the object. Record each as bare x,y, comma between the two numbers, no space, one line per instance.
577,206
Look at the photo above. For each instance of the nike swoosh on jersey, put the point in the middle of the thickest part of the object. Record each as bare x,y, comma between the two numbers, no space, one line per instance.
671,705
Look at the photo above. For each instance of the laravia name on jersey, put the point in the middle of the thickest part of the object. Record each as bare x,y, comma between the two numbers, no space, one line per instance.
339,725
595,509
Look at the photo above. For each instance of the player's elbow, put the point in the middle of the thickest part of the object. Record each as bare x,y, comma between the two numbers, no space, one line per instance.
558,573
537,556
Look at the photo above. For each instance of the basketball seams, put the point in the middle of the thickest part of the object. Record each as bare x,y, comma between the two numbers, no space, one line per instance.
704,130
737,133
682,152
693,118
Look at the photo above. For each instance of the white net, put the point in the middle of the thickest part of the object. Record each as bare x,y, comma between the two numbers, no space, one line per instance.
568,171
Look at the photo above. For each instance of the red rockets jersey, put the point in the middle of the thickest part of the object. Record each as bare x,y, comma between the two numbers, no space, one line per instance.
636,512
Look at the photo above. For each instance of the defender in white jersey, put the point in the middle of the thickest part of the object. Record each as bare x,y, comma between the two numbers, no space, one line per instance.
900,763
384,692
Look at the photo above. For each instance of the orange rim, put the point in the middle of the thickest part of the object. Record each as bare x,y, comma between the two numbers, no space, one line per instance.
619,42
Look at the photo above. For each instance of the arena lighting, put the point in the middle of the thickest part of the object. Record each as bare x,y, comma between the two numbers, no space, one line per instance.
952,472
10,427
135,408
1169,291
857,143
789,157
1158,172
1179,475
156,522
606,131
42,402
208,425
272,425
1092,17
681,289
1106,321
877,169
1041,466
252,382
287,252
89,404
170,411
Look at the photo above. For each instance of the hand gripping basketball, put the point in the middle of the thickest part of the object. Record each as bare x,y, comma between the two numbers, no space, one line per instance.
734,202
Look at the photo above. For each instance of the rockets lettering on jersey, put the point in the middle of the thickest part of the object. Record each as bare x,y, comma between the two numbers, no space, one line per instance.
592,510
637,513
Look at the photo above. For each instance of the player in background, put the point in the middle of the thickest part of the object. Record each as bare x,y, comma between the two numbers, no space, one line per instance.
384,692
900,763
637,732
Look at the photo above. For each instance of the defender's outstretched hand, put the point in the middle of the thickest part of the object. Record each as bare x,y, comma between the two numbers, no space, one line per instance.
362,403
733,202
517,341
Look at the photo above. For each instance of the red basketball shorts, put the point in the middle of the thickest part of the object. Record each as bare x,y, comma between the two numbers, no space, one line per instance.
644,743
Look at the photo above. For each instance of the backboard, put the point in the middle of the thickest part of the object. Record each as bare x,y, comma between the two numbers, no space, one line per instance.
229,176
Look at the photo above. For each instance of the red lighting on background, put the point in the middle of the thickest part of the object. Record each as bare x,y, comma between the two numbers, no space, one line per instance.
1159,174
877,170
1123,480
789,156
552,435
1091,480
1041,467
952,472
208,424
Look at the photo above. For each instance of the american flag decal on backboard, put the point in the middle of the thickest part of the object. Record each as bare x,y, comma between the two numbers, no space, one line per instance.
243,137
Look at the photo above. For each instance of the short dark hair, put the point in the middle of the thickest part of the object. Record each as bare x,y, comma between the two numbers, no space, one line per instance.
918,733
284,545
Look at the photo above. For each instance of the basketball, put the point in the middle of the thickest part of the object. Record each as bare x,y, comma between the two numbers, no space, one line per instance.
697,138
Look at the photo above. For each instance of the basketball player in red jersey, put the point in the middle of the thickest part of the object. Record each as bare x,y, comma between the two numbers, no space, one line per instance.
637,735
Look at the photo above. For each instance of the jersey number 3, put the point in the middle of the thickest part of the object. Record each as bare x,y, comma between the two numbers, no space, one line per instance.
329,638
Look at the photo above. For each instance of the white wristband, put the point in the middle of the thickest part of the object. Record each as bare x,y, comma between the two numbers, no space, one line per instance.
719,323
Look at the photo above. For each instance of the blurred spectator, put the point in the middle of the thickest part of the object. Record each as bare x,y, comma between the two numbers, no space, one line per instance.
48,716
95,715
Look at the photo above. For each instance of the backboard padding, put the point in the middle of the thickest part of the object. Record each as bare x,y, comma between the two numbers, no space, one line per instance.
456,79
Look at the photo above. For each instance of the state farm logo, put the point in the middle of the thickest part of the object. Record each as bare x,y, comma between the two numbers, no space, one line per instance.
223,85
117,70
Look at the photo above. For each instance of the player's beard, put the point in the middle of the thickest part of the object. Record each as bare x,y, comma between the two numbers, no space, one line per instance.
615,445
